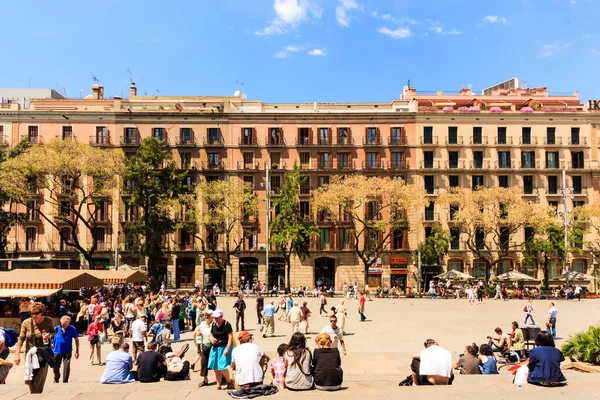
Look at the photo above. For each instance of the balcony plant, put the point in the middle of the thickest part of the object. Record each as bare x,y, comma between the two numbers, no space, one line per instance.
448,109
474,109
496,109
428,109
527,110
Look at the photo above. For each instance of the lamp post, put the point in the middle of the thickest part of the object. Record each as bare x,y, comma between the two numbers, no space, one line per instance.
268,217
565,224
419,277
117,252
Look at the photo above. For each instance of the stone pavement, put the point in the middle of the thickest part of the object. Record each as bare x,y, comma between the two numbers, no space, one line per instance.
378,352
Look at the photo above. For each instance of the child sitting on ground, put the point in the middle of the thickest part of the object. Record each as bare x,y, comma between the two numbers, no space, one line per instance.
277,367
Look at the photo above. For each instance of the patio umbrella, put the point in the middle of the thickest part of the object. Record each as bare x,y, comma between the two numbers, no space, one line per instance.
576,276
454,275
515,276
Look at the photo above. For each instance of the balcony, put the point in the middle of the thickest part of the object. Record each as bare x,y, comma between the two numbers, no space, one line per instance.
533,141
555,165
103,246
185,246
556,142
271,141
101,141
580,191
32,139
504,165
213,166
63,248
459,164
4,142
576,165
529,165
529,191
430,164
345,141
430,217
102,216
318,245
67,218
481,165
304,141
280,166
372,141
457,142
378,165
398,166
128,217
248,141
254,166
397,141
582,141
185,141
130,140
345,166
66,136
325,165
429,141
508,141
214,141
29,246
431,190
32,217
482,142
187,165
553,191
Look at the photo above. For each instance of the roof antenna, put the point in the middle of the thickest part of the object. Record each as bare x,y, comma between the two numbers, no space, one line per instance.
95,79
130,77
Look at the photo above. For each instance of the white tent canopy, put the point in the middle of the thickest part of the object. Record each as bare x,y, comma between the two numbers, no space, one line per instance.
515,276
576,276
454,275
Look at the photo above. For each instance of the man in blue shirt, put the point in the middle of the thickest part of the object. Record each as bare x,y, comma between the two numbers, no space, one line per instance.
63,310
63,348
269,318
119,364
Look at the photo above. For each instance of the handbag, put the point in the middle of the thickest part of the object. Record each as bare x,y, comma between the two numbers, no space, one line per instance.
525,309
116,339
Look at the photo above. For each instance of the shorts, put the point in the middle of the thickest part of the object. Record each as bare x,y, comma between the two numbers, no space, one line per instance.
138,347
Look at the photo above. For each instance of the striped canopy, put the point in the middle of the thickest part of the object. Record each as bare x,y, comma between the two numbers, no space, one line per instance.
119,276
48,278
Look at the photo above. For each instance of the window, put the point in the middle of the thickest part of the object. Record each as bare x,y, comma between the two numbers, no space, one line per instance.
477,181
100,235
452,135
213,136
304,137
372,210
504,159
64,234
428,231
552,184
428,159
429,184
158,133
372,238
185,135
577,187
580,265
477,135
248,159
575,136
453,210
248,136
479,238
344,239
504,266
275,158
32,211
304,159
33,134
186,160
249,243
528,159
478,159
275,183
372,159
323,180
304,209
578,203
188,184
130,136
504,238
501,135
31,238
397,136
552,159
64,208
529,233
430,212
503,181
555,267
325,161
343,160
249,179
213,160
372,136
428,135
479,269
397,160
67,132
526,135
554,204
455,264
275,136
453,159
455,242
550,135
577,159
398,239
343,136
528,184
324,137
324,239
102,135
454,181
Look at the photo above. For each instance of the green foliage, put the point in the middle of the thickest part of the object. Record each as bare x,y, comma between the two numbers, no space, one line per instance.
584,346
289,232
436,246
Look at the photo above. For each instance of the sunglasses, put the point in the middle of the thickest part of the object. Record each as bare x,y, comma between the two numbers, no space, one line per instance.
35,313
333,321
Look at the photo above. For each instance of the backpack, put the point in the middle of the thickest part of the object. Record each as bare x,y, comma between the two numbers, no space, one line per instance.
11,336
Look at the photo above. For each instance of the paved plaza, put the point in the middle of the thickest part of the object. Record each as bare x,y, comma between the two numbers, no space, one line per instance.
378,352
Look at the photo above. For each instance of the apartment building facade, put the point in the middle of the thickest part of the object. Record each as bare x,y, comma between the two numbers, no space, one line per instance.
507,137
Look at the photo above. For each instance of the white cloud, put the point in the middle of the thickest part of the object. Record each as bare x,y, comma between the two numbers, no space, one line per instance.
441,31
293,49
400,33
317,52
375,13
494,19
288,50
290,13
551,49
572,2
282,54
595,52
342,11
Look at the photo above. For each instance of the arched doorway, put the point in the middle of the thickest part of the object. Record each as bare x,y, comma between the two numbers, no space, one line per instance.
184,273
248,270
325,272
276,272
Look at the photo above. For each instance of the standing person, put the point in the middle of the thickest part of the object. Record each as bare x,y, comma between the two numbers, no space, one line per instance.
551,320
37,331
269,318
294,317
479,294
578,292
289,303
129,310
175,310
117,326
361,307
64,334
335,333
193,311
355,290
528,309
327,364
298,361
323,302
138,335
81,319
203,345
471,294
340,313
24,309
367,293
240,308
221,337
305,315
498,291
94,331
260,305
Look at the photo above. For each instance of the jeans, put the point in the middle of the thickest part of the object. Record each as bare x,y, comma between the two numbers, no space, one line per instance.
240,315
495,348
529,315
259,315
175,326
551,327
66,360
362,316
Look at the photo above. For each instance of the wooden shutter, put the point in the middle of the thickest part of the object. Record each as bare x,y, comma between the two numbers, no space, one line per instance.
378,160
254,137
377,136
310,135
349,135
366,138
241,135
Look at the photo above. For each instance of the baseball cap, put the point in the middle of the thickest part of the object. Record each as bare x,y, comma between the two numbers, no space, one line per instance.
209,312
218,313
243,335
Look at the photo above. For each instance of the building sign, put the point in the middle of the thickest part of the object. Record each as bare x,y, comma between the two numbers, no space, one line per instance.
398,260
593,104
376,268
398,271
209,263
101,263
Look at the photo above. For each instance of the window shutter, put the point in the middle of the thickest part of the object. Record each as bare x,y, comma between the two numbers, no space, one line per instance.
332,239
310,136
241,135
378,160
377,134
366,139
349,135
254,137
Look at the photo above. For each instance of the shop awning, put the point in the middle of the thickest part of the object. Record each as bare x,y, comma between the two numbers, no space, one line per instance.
118,276
48,278
27,292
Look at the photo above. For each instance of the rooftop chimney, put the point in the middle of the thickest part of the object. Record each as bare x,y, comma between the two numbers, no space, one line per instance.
132,90
98,92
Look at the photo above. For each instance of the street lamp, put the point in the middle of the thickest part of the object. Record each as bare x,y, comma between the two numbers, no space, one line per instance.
566,222
268,217
419,265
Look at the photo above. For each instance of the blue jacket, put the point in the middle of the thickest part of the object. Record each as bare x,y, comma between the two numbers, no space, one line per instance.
544,365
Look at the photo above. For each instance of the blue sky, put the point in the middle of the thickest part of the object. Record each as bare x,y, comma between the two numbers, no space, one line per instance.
300,50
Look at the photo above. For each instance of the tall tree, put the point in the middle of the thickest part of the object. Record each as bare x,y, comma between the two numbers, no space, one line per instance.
371,209
490,219
290,233
548,243
75,180
155,192
224,205
436,246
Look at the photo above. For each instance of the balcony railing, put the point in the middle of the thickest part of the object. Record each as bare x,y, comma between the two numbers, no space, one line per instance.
348,165
66,136
457,142
64,218
430,216
431,190
61,247
395,166
581,142
219,165
530,165
397,141
128,217
508,141
185,246
187,165
33,216
304,141
214,141
281,166
185,141
325,165
529,191
130,140
482,142
242,166
248,141
430,164
429,141
32,139
28,246
4,141
555,165
459,164
103,246
379,164
372,141
345,141
274,141
102,216
485,164
504,165
580,191
576,165
556,142
533,141
100,140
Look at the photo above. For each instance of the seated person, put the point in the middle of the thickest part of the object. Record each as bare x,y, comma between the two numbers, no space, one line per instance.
301,291
248,361
468,363
544,362
119,364
378,292
432,366
177,369
151,365
163,339
487,360
327,364
517,340
277,367
499,344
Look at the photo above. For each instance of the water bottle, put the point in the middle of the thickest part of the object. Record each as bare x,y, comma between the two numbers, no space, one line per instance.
45,337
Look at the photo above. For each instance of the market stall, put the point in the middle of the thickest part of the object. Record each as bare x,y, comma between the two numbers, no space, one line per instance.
110,277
